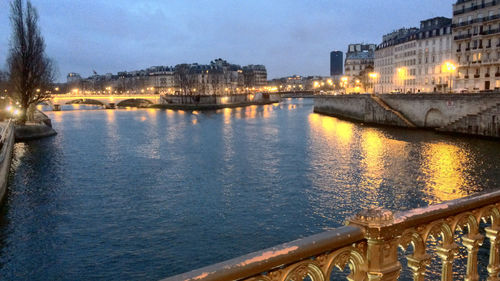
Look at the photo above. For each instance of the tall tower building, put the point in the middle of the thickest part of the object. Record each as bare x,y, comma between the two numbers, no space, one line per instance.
336,63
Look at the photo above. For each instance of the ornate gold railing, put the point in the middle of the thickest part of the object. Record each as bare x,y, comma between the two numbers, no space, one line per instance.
369,246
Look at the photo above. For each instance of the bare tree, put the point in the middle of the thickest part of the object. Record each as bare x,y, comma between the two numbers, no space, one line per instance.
3,81
31,71
182,78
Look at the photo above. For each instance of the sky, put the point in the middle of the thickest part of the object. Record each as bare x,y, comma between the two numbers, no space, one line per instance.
287,36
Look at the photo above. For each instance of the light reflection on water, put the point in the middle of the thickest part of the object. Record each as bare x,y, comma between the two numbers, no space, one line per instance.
445,166
143,194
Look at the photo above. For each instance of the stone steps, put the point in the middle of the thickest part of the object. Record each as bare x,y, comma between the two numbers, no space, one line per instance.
484,123
461,119
395,112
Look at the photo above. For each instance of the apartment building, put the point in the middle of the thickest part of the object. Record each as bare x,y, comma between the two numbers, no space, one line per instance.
476,30
411,60
358,58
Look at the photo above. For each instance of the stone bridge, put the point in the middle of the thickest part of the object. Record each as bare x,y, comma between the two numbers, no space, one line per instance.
106,101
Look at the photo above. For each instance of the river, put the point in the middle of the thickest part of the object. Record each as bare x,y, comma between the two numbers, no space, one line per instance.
142,194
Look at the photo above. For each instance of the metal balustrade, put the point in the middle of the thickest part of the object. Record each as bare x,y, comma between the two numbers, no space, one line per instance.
369,246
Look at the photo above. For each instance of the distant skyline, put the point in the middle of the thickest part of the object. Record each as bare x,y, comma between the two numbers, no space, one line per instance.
287,36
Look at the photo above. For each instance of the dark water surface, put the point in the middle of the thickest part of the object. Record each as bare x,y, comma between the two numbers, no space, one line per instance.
145,194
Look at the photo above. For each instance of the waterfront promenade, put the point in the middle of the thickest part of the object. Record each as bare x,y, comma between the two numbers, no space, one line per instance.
6,150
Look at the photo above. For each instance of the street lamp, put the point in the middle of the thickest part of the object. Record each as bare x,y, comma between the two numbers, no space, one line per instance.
449,67
343,82
373,76
402,76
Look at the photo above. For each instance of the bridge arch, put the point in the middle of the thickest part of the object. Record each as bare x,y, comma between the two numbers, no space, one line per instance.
48,103
434,118
86,101
135,102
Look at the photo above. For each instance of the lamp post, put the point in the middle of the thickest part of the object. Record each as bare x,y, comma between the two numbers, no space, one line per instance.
402,76
373,76
343,82
449,67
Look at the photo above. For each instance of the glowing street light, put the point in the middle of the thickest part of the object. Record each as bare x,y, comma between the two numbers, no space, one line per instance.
450,68
373,76
402,75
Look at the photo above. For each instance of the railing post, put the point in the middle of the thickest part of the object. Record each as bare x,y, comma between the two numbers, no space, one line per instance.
382,244
447,255
418,265
494,264
472,243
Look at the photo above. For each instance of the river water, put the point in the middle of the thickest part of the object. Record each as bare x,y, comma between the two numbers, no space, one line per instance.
142,194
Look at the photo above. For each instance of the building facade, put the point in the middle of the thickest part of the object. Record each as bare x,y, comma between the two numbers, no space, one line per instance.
476,30
435,44
336,63
358,58
410,60
255,75
217,78
73,77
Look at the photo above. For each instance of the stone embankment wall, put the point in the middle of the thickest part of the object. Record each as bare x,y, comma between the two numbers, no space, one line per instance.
439,110
41,127
485,123
461,113
356,107
220,100
7,146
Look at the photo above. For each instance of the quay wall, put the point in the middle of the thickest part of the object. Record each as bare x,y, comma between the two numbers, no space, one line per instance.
7,147
461,113
439,110
219,100
356,107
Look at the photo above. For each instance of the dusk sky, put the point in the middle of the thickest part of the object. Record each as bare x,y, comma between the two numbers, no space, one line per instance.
287,36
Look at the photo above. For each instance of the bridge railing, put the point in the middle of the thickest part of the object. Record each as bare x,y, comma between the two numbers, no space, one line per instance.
369,246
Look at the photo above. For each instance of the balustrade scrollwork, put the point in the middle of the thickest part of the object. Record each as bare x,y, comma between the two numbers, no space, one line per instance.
368,246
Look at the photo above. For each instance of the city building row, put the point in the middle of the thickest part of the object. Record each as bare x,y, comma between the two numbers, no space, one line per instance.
218,77
476,31
460,54
411,60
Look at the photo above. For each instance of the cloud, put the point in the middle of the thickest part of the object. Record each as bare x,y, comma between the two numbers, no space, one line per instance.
289,37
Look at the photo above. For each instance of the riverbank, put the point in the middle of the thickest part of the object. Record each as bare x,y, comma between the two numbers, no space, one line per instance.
40,128
191,107
473,114
7,146
213,102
